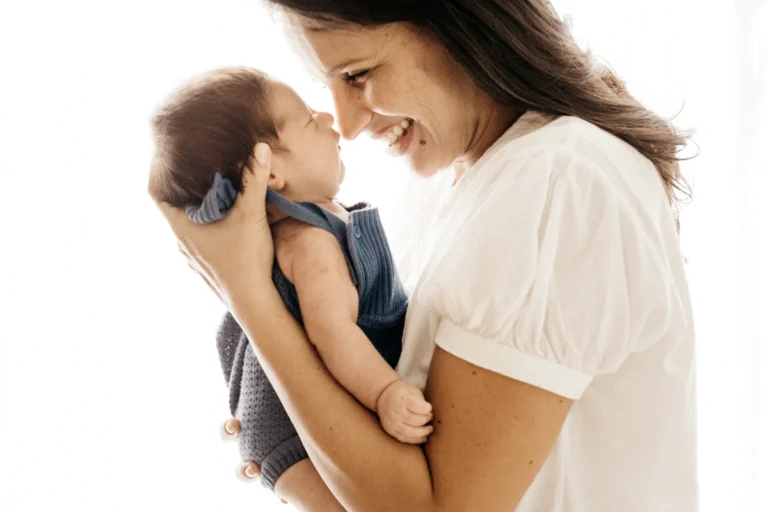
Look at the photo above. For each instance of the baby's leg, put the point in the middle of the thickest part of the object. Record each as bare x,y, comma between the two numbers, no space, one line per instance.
302,487
265,434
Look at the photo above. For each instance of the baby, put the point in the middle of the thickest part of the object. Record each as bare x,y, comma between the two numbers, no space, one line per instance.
333,267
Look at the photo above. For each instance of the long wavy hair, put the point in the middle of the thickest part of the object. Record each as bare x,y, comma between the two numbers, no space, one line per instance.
523,55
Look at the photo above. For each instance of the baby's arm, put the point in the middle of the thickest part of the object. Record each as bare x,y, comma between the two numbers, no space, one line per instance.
313,261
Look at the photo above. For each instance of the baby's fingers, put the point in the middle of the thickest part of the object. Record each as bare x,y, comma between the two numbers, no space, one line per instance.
416,420
417,405
414,435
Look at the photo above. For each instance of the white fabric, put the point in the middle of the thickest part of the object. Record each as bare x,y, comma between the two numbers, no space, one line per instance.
555,261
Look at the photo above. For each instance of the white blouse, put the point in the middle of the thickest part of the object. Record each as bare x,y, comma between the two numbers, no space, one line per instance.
555,261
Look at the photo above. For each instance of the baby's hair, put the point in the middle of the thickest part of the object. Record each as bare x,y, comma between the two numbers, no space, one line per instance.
209,125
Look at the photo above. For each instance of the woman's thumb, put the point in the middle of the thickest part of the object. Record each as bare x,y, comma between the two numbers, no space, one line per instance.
261,166
256,175
263,154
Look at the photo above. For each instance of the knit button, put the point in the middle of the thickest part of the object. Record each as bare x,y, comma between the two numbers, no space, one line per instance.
248,472
230,429
357,232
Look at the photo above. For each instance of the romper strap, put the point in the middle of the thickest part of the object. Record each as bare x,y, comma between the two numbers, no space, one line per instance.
309,213
317,216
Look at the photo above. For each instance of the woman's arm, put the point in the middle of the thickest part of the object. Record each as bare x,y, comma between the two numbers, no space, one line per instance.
492,433
302,487
358,460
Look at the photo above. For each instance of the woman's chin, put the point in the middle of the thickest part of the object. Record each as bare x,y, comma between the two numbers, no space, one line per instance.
424,167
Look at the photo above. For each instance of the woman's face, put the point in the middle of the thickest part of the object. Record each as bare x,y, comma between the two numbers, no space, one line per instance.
401,87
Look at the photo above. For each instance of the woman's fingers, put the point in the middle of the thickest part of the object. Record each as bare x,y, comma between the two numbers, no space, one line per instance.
248,472
195,266
251,198
230,429
176,217
209,283
255,180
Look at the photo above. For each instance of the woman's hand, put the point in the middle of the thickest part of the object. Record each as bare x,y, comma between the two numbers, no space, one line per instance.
234,255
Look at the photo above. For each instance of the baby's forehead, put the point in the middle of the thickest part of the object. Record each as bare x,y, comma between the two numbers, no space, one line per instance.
287,105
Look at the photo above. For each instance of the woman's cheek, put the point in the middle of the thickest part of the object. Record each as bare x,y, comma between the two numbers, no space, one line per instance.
369,95
386,97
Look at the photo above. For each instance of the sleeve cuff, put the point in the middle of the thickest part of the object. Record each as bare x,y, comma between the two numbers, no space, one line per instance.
511,362
285,455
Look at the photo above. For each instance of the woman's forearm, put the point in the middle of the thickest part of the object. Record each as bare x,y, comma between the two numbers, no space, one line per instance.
365,468
302,487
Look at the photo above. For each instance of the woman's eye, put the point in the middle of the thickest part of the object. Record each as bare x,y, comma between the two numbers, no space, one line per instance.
357,78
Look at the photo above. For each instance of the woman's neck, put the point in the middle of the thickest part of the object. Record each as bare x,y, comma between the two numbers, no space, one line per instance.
491,124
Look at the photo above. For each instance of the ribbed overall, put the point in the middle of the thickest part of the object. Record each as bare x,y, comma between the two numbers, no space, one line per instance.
267,436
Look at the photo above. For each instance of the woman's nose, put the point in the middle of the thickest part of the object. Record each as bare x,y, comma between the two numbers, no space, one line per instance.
351,111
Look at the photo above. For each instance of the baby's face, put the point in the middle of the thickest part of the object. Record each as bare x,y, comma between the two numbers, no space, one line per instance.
311,169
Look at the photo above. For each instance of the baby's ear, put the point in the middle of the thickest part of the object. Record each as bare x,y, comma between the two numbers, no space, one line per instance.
276,181
276,175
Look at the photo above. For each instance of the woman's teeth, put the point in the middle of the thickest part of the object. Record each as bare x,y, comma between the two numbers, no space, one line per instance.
397,131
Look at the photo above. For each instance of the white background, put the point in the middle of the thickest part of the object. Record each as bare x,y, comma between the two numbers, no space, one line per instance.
111,394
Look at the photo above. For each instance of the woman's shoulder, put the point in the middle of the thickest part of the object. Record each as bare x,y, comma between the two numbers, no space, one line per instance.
565,171
568,138
540,149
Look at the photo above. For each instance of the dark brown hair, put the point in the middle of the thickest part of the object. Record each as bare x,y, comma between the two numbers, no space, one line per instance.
523,56
209,125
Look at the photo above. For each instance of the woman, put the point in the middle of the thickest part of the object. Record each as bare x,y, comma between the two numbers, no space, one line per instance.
551,326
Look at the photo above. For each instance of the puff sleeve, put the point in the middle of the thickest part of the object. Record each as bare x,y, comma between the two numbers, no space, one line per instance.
554,278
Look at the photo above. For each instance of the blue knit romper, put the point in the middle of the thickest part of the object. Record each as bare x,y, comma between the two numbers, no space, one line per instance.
267,436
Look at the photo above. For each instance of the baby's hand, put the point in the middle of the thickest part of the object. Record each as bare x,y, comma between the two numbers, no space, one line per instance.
404,413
